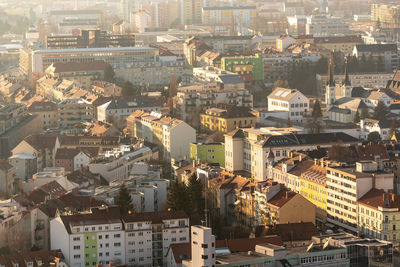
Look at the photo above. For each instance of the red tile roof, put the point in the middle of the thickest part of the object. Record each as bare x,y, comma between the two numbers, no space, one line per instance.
376,198
370,151
280,199
22,259
42,141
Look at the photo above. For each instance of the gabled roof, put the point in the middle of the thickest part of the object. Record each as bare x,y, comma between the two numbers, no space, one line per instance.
67,153
370,151
293,231
237,133
42,141
281,198
284,94
47,258
377,198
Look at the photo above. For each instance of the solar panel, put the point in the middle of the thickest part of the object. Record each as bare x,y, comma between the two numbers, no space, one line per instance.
285,93
279,93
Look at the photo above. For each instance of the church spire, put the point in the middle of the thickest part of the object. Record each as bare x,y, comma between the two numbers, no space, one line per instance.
331,78
346,81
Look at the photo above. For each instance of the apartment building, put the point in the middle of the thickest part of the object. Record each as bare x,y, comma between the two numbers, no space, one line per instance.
386,14
118,109
7,178
343,44
346,185
82,74
208,153
386,52
72,112
199,97
378,215
225,79
291,101
116,164
47,112
251,149
42,146
226,120
104,236
173,136
54,88
250,68
325,25
190,11
234,16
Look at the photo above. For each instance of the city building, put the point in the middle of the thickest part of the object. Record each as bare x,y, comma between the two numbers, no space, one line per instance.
67,20
325,25
192,99
34,258
141,21
250,149
7,177
291,101
118,109
208,153
53,88
47,112
387,53
378,214
238,17
82,74
225,120
71,159
106,89
42,146
24,164
382,127
250,68
190,11
15,125
343,44
203,246
346,185
288,207
89,38
72,112
103,236
225,80
386,15
173,136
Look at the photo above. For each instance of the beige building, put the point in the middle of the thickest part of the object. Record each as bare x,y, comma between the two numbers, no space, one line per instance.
106,89
46,111
82,74
288,207
43,146
379,215
73,112
53,88
191,11
386,15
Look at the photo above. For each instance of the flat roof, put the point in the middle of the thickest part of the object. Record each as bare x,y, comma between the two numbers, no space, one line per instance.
95,49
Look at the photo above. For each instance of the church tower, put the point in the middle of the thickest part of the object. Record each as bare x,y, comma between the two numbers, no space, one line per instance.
330,89
346,84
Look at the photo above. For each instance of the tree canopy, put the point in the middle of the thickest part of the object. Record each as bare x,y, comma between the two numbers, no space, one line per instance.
128,89
316,113
381,111
374,137
124,200
109,74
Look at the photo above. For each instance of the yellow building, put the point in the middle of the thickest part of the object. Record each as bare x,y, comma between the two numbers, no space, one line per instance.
191,11
313,187
226,120
386,15
379,215
25,62
242,16
344,44
288,207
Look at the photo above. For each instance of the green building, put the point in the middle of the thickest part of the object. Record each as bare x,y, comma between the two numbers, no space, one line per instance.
208,153
250,68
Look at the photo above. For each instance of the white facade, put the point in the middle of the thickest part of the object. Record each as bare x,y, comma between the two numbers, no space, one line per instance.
81,160
291,100
203,246
177,139
346,185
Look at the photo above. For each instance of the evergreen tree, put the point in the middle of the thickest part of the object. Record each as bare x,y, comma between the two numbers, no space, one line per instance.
380,65
109,74
381,111
124,200
195,189
357,117
179,198
316,113
374,137
129,90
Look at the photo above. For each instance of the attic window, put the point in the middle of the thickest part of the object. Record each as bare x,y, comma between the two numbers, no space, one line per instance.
29,264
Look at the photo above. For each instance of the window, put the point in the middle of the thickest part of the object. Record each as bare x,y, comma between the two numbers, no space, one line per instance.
117,235
76,238
204,257
77,247
204,245
118,244
78,256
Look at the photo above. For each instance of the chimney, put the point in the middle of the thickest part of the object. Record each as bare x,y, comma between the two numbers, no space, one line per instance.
315,162
322,162
300,157
393,197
